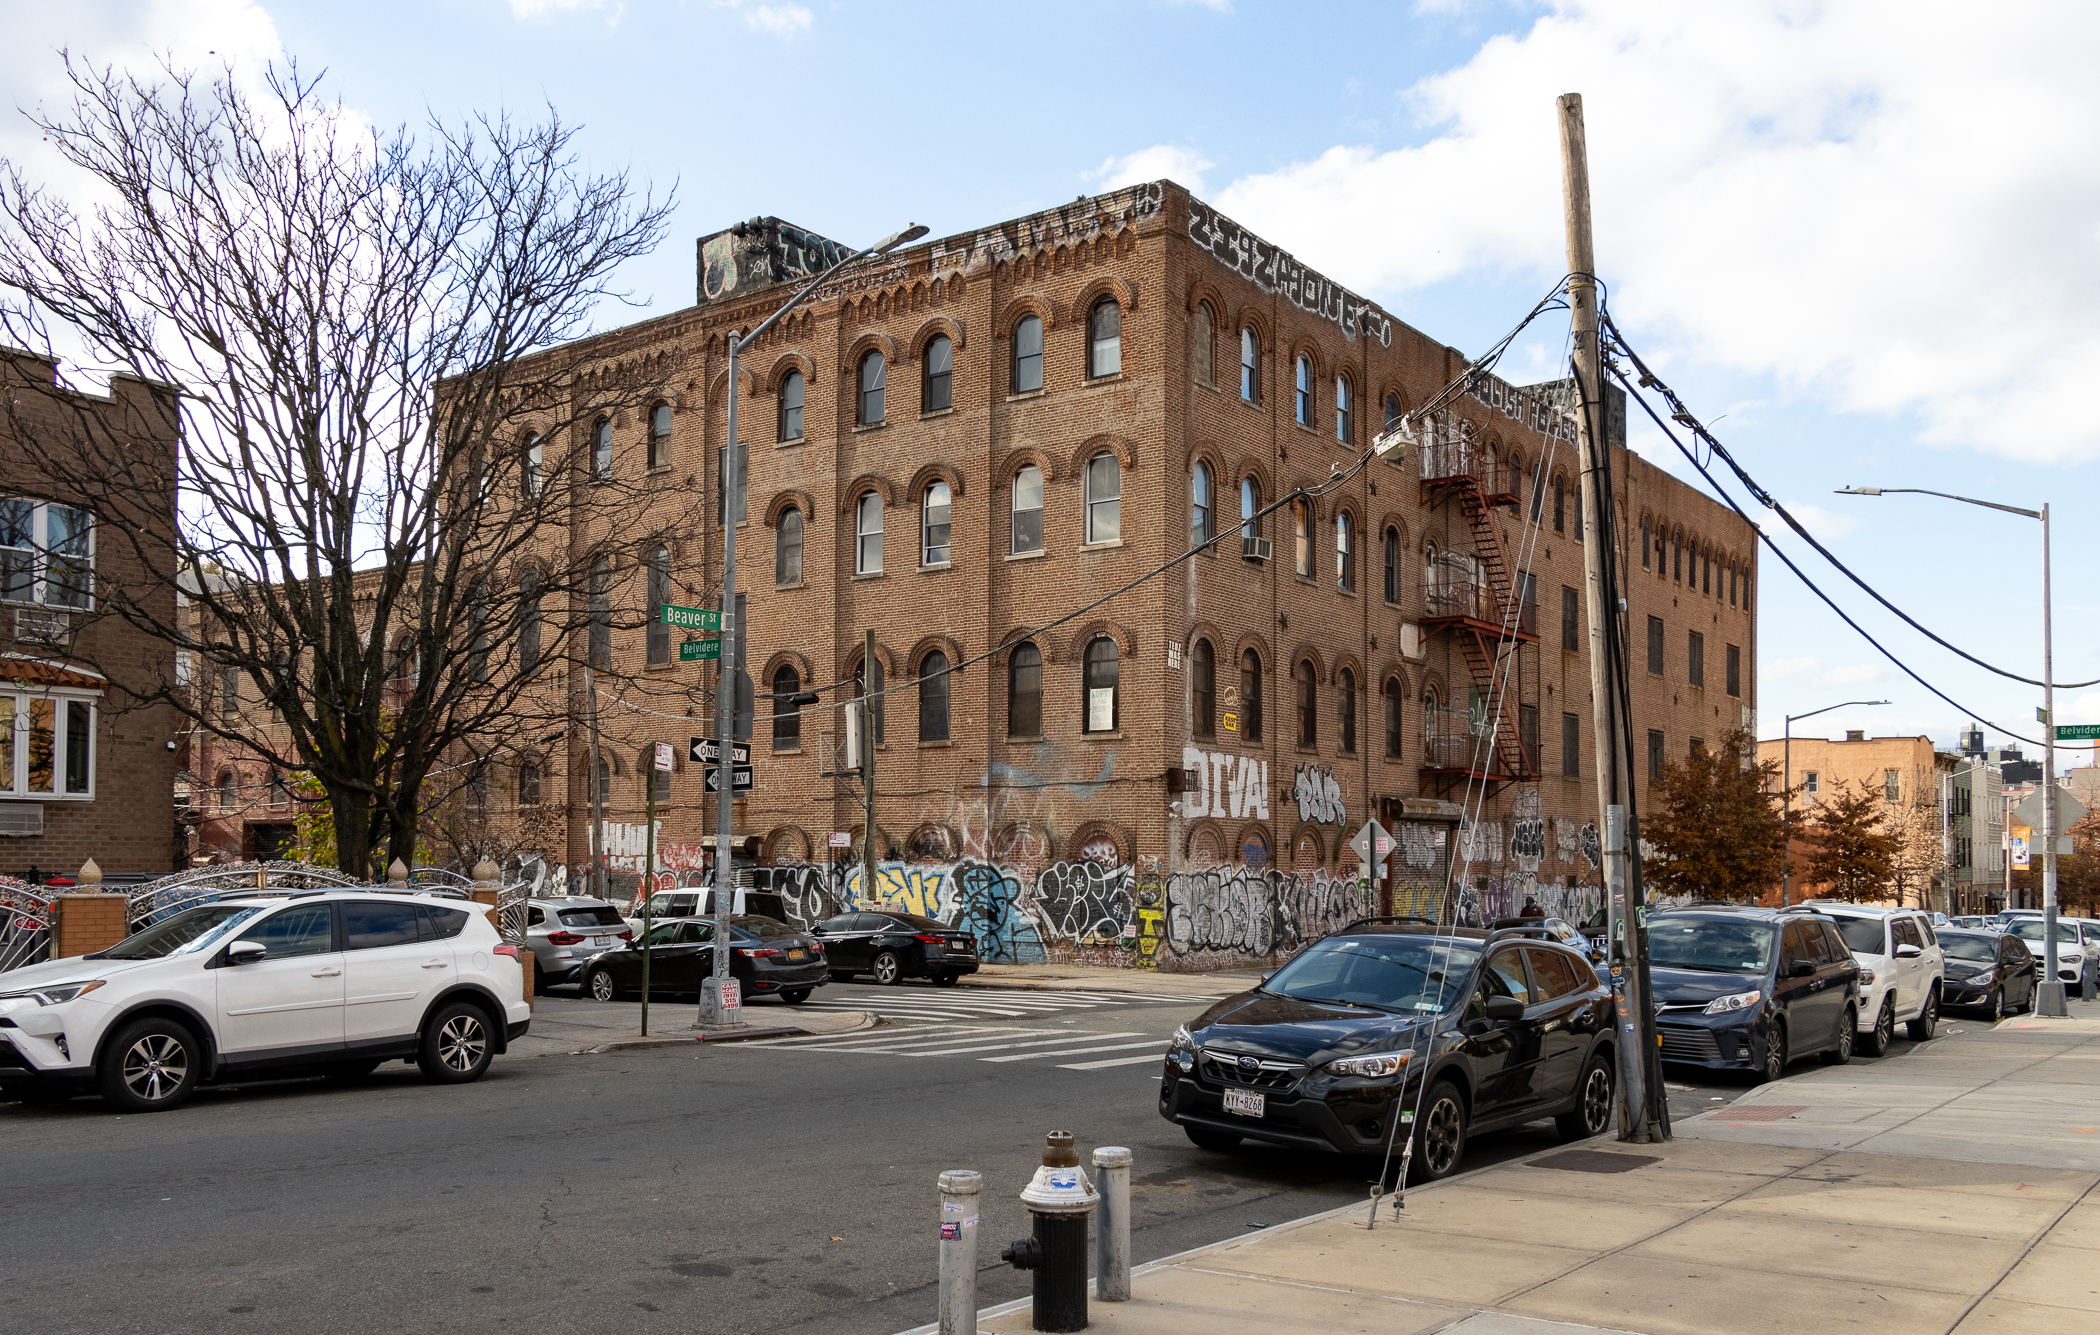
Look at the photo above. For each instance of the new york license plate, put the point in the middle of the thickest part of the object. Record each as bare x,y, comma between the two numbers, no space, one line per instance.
1246,1103
795,954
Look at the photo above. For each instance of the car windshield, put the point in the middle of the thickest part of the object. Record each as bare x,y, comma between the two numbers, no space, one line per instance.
604,915
765,929
913,920
1703,943
1863,936
1398,972
192,929
1969,947
2030,929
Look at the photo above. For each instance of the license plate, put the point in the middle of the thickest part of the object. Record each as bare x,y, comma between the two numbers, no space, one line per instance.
1246,1104
794,954
601,940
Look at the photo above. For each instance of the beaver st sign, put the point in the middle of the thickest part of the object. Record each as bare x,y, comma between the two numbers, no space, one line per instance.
691,618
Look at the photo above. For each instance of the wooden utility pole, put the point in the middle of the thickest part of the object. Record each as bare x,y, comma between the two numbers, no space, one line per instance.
1608,731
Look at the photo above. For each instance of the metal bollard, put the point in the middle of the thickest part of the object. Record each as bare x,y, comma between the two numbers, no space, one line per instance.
959,1191
1112,1225
1060,1198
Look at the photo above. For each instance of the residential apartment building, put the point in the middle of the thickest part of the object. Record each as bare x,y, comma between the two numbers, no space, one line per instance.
1910,778
87,758
969,444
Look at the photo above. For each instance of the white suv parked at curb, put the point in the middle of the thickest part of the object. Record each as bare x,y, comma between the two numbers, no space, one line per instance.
1902,969
329,982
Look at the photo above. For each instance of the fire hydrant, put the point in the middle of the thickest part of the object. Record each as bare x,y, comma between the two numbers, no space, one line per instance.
1060,1198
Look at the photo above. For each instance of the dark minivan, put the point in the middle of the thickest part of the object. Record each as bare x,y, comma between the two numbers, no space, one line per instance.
1751,989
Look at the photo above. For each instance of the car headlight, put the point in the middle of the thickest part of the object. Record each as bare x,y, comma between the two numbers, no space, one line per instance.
1738,1002
1383,1063
52,996
1182,1049
1866,976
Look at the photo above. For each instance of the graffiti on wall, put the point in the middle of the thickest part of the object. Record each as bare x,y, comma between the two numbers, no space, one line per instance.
1244,911
1274,271
1227,784
1318,796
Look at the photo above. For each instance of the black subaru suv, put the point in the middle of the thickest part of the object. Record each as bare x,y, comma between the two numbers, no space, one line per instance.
1397,1026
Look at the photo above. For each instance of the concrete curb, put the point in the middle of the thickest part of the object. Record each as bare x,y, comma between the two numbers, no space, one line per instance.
867,1020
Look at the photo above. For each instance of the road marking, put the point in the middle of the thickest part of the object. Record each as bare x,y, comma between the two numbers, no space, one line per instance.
1032,1043
898,1042
1113,1061
1073,1052
866,1036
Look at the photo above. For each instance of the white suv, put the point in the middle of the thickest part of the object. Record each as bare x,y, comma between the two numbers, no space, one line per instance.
2077,944
332,982
1902,970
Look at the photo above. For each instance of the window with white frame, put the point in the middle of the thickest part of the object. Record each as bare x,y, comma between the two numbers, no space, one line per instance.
868,535
47,553
1104,499
934,514
47,745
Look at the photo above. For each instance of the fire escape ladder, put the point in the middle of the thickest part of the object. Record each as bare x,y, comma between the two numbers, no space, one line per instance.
1483,654
1494,560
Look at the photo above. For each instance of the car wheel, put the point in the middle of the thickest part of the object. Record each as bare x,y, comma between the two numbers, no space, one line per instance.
794,996
349,1073
1774,1064
1440,1134
1205,1139
1884,1031
889,970
1928,1020
455,1046
601,987
946,979
1847,1033
151,1065
1994,1005
1591,1114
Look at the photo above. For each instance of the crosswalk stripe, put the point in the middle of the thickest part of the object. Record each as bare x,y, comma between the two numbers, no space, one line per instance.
921,999
1033,1043
1112,1061
901,1042
1070,1052
862,1036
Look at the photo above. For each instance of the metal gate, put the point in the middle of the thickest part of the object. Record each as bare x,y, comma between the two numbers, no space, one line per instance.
1418,875
25,923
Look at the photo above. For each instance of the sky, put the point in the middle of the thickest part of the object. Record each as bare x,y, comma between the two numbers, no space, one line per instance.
1859,239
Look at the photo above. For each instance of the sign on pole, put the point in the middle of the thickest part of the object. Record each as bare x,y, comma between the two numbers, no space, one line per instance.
740,778
840,839
2069,810
705,751
692,651
2078,732
1372,844
666,759
691,618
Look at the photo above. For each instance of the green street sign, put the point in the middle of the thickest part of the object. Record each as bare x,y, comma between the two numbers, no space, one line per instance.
2078,732
694,650
691,618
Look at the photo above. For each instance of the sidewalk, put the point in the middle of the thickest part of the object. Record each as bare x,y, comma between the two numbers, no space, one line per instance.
1955,1189
564,1025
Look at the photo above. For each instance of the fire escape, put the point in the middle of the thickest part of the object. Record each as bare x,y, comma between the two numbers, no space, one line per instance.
1471,595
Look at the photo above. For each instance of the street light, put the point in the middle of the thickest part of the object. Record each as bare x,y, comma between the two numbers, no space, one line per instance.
2050,1000
1786,789
711,1010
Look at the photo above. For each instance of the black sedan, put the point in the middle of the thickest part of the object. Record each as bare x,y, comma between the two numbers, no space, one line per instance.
895,946
1750,989
768,958
1987,971
1395,1027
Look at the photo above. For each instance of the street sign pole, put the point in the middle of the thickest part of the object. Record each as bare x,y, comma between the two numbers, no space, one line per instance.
2051,999
712,1013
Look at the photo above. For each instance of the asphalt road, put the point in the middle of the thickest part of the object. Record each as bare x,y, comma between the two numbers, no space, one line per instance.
726,1189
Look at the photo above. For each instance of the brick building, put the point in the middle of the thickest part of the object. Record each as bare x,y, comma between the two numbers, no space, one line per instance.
86,762
1911,779
980,434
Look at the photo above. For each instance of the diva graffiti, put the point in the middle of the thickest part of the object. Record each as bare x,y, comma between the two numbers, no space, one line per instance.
1227,784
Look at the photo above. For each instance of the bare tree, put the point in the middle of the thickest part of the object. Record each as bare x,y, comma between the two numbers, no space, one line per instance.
366,328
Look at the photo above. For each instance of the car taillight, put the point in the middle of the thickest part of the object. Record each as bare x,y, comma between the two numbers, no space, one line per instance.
817,946
929,940
627,936
756,954
564,939
507,949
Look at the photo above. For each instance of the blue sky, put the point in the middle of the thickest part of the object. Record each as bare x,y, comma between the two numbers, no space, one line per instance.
1859,238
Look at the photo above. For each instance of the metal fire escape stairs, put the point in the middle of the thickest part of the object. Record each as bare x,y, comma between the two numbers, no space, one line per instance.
1477,611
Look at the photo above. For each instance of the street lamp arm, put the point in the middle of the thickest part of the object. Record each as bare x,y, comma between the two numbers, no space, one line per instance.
1827,708
1943,495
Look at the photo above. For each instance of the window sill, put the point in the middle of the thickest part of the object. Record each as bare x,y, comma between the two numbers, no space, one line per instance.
872,574
787,751
790,444
1036,740
1255,405
1346,593
1092,381
1307,428
658,470
1025,395
1101,546
1028,556
869,426
659,667
782,588
937,412
935,567
1307,580
935,746
1101,736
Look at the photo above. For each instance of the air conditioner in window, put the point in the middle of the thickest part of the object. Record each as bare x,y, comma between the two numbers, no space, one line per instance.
40,625
19,820
1256,549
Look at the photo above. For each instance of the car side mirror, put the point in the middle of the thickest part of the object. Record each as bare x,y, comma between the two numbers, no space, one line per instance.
246,952
1908,952
1505,1008
1801,969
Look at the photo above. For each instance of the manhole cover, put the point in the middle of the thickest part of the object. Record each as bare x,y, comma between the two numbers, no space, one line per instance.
1757,1112
1595,1161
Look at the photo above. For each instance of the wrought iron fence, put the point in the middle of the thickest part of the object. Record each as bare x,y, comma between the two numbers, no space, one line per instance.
1452,737
25,923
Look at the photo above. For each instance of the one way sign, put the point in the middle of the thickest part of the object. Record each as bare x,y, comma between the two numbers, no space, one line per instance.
740,778
706,751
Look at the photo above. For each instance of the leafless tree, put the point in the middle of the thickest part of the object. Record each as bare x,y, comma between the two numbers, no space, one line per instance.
364,325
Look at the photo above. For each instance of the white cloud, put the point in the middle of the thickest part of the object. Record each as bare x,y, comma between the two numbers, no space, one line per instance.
784,21
1779,669
1887,204
1185,165
1828,525
1221,6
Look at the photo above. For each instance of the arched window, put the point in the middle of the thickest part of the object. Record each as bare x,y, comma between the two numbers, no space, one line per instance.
1677,556
1203,691
1103,674
1024,691
601,787
1304,407
787,547
659,594
1104,339
1662,562
1250,506
787,717
1706,571
1345,690
938,391
1104,499
1393,413
1393,734
1538,492
477,633
1308,685
933,524
1028,510
601,448
1301,535
1560,504
601,613
529,622
1392,565
1250,695
1201,505
535,457
660,436
1344,411
528,785
792,392
933,697
1646,554
867,529
1731,584
1203,345
226,789
873,376
1250,365
1028,355
1344,553
876,699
